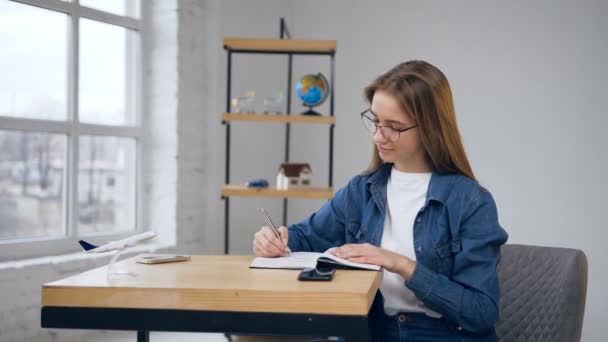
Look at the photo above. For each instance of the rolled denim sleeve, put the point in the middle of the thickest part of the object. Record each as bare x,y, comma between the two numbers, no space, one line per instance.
323,229
470,298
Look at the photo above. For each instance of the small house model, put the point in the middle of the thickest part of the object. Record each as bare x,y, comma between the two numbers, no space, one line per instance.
292,175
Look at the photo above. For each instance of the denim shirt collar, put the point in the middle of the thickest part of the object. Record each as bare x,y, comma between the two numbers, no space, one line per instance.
439,186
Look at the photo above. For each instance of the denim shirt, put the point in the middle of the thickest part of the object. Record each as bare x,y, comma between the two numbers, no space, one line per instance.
457,241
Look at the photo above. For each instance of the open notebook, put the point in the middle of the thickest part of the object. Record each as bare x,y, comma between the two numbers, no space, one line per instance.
301,260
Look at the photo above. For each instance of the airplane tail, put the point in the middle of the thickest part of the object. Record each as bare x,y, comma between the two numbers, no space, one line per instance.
86,246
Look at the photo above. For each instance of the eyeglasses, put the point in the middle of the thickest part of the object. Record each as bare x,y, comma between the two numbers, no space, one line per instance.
370,121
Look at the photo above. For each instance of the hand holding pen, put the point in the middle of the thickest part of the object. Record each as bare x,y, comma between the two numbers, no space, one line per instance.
270,241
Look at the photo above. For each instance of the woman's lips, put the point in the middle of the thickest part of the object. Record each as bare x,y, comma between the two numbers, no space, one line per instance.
382,149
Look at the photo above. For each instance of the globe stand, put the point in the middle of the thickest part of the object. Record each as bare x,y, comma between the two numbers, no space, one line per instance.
310,112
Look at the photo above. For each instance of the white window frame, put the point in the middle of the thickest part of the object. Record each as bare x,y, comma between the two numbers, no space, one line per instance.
48,246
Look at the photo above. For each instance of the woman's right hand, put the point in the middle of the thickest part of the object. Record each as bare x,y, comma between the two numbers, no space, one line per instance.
266,244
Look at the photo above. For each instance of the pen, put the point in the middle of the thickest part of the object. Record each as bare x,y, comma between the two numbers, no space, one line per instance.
273,227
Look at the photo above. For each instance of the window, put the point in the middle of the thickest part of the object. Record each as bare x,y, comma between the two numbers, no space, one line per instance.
70,129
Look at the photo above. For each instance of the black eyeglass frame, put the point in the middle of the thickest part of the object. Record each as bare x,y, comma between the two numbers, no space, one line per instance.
379,127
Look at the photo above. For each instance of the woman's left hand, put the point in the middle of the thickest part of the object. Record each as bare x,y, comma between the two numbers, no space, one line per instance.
366,253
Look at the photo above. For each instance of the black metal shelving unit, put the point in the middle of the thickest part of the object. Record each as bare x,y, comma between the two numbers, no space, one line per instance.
289,47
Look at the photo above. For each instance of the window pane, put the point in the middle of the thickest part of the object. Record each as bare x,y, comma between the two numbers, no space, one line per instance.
120,7
106,184
106,74
32,174
33,62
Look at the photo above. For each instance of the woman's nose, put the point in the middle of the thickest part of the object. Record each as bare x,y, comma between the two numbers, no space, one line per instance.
378,137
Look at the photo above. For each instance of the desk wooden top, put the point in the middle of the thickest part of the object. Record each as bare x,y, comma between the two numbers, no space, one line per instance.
215,283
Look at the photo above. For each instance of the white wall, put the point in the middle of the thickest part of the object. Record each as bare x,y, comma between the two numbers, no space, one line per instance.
530,93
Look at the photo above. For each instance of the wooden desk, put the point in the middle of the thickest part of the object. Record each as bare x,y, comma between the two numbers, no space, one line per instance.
212,294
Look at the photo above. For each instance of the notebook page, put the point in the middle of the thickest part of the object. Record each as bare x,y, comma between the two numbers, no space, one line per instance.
297,260
327,254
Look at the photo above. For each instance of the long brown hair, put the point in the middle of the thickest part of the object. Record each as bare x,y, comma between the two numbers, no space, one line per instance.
424,93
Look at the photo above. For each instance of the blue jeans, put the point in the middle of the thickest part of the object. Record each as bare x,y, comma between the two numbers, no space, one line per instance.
416,327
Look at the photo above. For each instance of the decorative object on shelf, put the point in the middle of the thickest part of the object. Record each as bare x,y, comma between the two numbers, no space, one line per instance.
312,90
257,183
293,175
274,104
243,104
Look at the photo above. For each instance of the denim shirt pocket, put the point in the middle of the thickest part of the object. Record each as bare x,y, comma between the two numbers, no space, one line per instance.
444,252
355,232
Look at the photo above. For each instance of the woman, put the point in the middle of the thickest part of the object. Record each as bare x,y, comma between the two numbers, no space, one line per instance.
418,212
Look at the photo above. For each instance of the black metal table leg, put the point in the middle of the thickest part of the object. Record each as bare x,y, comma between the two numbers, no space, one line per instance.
143,336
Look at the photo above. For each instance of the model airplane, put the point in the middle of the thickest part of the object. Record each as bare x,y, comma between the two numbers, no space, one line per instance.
116,245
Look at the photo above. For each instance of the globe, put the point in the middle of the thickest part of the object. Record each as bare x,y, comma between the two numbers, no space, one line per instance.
312,90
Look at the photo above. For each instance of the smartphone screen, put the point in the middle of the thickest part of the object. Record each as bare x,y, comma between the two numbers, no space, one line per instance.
316,274
161,258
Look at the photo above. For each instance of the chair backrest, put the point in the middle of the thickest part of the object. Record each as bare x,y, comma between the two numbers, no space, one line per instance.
543,292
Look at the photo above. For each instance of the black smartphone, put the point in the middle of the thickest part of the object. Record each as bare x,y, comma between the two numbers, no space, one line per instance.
317,274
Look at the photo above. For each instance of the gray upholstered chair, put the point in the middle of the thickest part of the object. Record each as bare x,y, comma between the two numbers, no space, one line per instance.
543,292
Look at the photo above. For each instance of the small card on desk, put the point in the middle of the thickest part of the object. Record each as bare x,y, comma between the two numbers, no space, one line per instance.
160,258
302,260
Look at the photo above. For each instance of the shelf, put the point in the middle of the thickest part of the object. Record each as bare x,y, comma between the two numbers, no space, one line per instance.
280,45
243,191
280,118
294,49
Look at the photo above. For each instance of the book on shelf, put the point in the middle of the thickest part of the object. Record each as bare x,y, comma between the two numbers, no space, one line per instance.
303,260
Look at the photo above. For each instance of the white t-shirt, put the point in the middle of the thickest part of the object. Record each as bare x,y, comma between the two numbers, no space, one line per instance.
405,193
